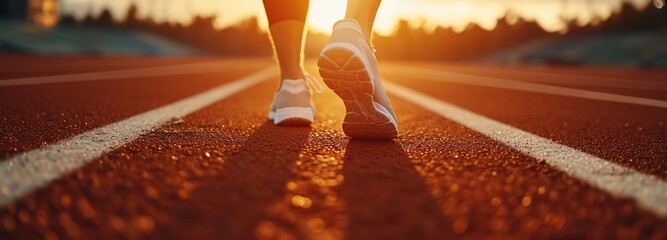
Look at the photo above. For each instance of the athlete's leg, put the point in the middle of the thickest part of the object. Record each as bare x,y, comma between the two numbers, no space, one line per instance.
292,103
349,67
286,25
364,12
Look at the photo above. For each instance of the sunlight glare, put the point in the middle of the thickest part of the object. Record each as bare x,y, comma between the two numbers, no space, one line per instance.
324,13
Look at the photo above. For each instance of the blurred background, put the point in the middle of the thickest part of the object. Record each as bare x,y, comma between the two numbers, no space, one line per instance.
565,32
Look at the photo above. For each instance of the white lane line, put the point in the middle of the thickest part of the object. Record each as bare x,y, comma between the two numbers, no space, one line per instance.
23,173
582,80
573,79
649,191
179,69
469,79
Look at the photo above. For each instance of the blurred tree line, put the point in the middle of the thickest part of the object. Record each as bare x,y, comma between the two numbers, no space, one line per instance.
246,37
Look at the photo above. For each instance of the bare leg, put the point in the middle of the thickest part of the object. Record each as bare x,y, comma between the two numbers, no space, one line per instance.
287,38
364,12
292,102
286,25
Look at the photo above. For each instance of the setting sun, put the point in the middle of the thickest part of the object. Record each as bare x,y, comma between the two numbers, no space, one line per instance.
324,13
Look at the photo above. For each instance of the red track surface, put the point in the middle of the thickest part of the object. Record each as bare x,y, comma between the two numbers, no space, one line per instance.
226,173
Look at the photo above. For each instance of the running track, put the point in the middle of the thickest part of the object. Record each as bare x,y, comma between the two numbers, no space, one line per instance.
180,148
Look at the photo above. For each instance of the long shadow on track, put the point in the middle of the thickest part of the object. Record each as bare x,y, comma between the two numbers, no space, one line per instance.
386,197
254,176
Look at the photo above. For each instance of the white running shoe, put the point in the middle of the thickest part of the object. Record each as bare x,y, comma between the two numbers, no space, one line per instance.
349,67
293,104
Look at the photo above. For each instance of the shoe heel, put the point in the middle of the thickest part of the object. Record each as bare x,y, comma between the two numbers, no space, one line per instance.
293,116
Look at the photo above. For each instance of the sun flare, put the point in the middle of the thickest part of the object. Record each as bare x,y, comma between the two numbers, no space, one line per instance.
324,13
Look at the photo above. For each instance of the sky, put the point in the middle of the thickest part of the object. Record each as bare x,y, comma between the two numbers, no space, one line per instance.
552,15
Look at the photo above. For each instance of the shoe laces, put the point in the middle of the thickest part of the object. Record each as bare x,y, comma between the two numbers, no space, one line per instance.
370,44
313,83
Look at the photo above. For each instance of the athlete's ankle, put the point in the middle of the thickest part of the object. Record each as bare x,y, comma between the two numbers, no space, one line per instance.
292,74
365,26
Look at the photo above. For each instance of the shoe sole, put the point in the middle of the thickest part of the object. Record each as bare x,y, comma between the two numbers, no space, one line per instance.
347,75
292,116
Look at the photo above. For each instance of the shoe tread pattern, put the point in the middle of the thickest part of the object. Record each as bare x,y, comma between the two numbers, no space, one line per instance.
347,76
